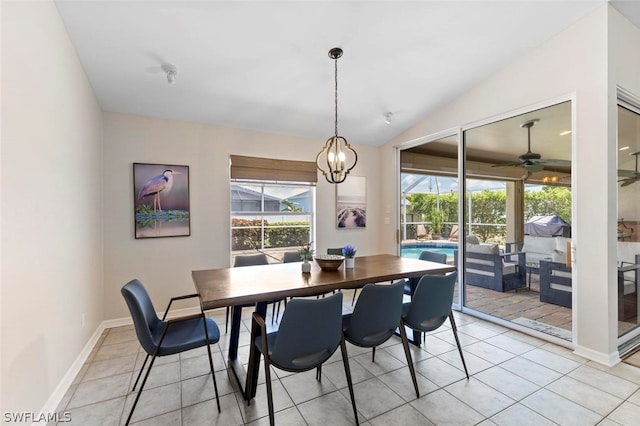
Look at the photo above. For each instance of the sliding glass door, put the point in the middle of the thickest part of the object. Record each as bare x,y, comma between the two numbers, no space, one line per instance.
502,214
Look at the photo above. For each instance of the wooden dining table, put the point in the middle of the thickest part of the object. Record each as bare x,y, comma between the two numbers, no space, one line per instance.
249,285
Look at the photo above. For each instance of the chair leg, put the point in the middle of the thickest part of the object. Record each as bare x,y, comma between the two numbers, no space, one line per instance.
373,354
319,373
273,311
407,353
355,292
455,334
213,373
226,322
144,381
347,371
140,373
267,376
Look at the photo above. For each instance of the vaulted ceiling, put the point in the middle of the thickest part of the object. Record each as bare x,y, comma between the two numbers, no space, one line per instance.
264,65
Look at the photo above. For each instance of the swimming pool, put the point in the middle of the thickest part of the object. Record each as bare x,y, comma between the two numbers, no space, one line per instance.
413,250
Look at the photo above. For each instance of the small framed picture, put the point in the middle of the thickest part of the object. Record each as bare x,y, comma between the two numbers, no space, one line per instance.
351,203
161,200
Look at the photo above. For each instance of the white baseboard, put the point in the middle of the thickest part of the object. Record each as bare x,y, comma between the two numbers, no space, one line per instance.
59,392
56,397
605,359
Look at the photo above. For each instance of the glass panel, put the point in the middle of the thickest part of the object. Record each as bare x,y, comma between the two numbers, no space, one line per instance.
518,206
429,201
628,218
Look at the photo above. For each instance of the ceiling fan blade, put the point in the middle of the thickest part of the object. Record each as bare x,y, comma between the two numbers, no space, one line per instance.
556,162
629,181
626,173
534,167
512,164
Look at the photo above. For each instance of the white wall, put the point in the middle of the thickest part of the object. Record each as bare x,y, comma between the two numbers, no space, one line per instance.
574,63
52,259
164,265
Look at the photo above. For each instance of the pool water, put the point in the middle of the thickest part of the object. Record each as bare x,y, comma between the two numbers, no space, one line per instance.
414,251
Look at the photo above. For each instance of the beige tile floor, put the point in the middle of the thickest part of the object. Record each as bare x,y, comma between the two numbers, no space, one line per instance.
515,380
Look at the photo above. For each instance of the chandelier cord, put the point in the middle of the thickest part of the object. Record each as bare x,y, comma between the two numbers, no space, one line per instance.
336,95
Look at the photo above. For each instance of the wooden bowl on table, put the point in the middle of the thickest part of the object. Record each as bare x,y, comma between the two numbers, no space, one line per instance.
329,262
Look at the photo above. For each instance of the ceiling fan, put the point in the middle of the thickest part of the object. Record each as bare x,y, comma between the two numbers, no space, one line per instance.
630,176
532,161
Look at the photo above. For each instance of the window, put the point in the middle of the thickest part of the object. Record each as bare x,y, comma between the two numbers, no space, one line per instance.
271,217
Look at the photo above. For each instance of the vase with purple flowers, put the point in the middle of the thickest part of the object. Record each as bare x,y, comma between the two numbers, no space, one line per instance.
349,253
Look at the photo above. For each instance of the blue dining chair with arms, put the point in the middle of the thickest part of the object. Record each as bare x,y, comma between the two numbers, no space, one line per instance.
310,332
161,337
429,308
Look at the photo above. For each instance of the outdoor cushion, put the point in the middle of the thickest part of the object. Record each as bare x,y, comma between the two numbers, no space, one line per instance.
560,252
483,248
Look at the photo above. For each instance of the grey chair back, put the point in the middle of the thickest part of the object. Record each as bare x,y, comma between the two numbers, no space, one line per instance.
432,256
424,255
431,302
376,315
251,259
310,332
291,256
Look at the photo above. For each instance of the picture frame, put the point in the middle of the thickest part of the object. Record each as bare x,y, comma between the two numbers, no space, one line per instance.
351,203
161,200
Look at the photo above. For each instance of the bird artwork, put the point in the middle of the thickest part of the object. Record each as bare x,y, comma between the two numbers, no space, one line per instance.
157,185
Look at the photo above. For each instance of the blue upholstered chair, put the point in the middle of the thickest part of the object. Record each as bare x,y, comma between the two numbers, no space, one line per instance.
252,260
375,317
310,332
431,256
291,256
161,337
338,251
429,308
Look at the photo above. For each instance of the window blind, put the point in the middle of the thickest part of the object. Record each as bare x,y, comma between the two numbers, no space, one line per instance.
269,169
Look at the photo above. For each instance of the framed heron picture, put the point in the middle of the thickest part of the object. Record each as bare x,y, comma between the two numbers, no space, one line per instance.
351,203
161,200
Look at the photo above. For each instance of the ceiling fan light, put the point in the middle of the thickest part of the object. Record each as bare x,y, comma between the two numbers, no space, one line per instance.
171,71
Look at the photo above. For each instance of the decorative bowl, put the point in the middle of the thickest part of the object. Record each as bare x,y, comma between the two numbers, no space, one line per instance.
329,262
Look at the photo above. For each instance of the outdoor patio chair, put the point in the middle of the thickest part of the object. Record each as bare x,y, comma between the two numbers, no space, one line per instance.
421,232
486,267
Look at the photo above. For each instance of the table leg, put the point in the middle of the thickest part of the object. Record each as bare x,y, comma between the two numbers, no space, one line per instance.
236,366
254,356
247,380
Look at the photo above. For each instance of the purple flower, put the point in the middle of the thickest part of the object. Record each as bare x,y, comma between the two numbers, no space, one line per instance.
348,251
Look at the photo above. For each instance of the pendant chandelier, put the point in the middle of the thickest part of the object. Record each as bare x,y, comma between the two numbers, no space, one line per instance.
337,152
